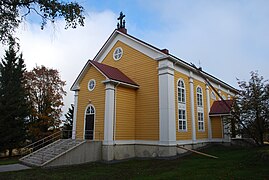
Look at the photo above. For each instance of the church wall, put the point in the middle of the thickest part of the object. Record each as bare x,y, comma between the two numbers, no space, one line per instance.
125,113
143,70
97,98
201,134
216,127
183,135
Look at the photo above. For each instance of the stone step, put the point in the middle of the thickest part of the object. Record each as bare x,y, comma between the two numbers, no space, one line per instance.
34,161
50,151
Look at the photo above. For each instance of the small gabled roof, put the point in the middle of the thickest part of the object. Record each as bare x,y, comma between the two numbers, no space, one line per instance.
112,73
219,108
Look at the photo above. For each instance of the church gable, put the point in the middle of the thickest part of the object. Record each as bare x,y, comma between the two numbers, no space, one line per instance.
94,96
141,46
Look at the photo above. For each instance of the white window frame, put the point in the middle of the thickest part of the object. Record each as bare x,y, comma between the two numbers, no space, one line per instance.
92,80
201,121
182,91
200,109
182,106
199,97
91,106
117,55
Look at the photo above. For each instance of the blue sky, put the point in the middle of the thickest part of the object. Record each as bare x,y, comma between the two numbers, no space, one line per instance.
224,36
229,38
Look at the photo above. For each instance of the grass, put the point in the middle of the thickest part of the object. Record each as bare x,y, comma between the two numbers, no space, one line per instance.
233,163
6,161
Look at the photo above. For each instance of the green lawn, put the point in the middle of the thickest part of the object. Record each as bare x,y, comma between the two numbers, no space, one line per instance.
233,163
5,161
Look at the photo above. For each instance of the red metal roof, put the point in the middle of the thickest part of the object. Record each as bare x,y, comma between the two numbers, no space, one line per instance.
219,107
113,73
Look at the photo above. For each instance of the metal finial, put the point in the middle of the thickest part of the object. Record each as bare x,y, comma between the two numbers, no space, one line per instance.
122,22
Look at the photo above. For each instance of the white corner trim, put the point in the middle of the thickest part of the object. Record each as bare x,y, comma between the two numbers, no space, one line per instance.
75,115
167,119
192,107
109,114
209,128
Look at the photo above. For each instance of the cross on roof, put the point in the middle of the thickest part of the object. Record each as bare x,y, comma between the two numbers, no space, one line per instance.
121,24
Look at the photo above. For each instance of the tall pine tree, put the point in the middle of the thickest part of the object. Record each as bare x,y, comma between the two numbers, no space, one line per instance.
13,106
68,122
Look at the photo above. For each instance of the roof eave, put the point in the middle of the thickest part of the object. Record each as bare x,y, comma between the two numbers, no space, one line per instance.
75,85
134,86
100,52
190,67
220,114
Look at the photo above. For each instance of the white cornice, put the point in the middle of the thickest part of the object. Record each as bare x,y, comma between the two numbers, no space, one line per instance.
130,41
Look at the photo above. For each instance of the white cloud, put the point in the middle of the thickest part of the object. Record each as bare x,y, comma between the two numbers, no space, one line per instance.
229,38
65,50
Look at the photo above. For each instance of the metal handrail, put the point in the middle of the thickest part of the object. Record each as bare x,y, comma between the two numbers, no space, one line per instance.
54,137
42,140
40,143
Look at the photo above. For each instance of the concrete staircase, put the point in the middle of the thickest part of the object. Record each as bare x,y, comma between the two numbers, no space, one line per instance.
50,152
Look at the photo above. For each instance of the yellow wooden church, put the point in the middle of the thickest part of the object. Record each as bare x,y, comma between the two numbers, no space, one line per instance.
141,101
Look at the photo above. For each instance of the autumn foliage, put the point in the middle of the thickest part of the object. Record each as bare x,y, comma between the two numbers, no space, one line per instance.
251,109
45,96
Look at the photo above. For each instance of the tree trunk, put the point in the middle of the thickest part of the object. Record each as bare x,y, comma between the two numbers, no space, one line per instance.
10,152
261,139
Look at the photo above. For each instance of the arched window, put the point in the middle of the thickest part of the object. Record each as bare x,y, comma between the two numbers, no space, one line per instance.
181,96
181,91
90,110
199,97
89,122
200,109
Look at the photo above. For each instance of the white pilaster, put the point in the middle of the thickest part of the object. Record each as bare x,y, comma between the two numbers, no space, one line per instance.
208,110
75,115
192,107
109,114
167,103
